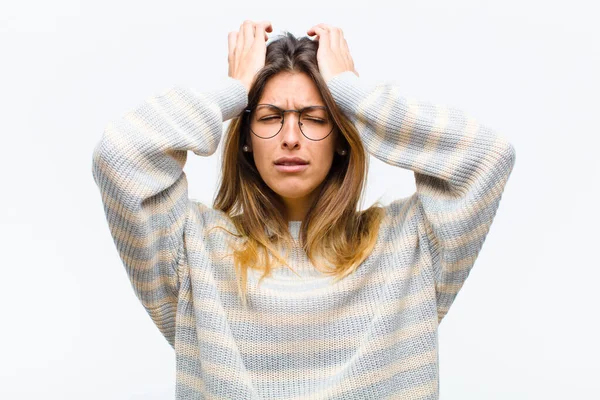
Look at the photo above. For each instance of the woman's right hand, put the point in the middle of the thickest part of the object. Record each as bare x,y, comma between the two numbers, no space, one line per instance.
248,50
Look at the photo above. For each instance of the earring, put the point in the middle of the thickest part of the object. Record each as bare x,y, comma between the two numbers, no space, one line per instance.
246,148
343,152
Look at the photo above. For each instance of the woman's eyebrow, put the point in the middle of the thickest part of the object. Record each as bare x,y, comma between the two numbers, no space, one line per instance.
299,106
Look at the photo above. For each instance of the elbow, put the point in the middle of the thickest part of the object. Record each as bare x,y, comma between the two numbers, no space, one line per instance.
510,154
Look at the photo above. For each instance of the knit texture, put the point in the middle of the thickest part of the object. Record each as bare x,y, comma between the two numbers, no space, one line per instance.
372,335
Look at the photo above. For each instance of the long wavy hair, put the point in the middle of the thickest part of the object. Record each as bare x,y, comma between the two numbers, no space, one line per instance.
334,234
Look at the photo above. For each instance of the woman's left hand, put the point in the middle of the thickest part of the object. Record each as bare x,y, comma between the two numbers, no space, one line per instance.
333,55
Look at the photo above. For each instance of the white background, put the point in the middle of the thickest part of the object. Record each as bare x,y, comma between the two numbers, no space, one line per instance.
524,326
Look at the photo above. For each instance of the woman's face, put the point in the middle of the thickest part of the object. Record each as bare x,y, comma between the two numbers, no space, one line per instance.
296,188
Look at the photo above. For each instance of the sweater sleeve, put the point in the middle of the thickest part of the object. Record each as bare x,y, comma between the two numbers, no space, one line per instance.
138,168
460,167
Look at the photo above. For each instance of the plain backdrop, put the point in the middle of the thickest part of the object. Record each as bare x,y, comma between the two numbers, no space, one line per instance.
524,325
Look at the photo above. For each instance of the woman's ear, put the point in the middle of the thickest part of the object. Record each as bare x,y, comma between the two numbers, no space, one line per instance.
247,144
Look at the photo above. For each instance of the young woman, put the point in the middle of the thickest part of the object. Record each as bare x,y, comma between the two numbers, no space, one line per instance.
283,288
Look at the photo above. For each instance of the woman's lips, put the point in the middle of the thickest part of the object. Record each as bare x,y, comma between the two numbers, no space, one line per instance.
291,168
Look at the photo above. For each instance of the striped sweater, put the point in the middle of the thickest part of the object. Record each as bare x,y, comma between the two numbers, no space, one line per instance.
372,335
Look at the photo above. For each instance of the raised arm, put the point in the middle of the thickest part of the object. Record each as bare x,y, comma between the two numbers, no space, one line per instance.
138,167
460,166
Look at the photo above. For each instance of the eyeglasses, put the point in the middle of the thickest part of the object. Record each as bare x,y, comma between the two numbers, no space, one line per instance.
266,121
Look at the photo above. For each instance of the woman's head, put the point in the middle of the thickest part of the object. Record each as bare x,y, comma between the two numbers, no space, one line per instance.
290,79
325,194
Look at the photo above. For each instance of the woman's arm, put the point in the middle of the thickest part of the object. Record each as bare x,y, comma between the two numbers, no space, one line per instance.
138,167
461,168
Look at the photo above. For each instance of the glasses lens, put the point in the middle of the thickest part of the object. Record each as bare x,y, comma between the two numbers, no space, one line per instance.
266,121
315,123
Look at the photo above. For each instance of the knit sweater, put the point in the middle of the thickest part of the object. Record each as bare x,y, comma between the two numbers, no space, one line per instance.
371,335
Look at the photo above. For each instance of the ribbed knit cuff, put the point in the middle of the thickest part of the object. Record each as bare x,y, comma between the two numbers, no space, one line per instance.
230,95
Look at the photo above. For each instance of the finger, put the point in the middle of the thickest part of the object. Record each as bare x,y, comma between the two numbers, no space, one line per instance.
334,38
321,34
239,43
345,51
341,39
231,38
324,37
323,26
248,28
261,29
312,32
336,35
344,45
268,26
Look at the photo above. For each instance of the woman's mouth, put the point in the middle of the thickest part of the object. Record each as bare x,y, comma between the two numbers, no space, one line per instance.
291,167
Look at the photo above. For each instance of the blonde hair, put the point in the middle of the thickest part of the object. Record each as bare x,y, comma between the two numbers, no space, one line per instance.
333,230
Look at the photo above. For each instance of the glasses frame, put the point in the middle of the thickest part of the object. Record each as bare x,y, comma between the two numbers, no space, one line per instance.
248,111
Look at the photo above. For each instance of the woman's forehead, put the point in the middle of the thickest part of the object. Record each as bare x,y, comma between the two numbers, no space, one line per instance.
291,91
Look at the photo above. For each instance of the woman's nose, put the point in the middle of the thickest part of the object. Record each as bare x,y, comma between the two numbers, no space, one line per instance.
290,131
